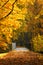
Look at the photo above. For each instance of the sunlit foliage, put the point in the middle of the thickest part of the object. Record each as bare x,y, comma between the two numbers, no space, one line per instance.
37,43
19,16
11,16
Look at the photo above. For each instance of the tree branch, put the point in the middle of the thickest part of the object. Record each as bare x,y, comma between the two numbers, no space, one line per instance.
4,4
10,11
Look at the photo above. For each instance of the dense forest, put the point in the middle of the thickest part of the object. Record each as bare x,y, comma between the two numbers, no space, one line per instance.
21,21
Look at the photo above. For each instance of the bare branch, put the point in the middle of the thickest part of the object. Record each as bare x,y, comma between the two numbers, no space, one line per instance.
10,11
4,4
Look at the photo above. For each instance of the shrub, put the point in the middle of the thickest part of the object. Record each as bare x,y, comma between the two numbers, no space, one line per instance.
37,43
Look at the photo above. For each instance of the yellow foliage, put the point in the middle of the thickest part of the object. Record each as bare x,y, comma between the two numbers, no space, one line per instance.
10,23
3,45
37,43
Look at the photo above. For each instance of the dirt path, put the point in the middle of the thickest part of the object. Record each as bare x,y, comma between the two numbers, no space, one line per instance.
21,49
22,58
